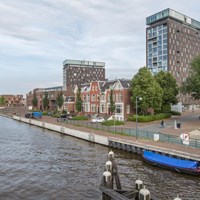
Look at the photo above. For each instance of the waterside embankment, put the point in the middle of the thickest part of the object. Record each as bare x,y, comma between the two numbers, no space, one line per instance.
125,143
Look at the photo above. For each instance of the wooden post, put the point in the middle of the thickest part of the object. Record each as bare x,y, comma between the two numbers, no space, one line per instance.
115,174
106,182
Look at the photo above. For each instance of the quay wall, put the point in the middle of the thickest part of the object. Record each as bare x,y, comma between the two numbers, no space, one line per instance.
114,142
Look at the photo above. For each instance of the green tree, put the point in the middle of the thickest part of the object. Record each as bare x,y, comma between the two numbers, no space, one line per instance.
170,89
144,85
60,99
2,101
79,100
34,100
112,103
45,101
192,83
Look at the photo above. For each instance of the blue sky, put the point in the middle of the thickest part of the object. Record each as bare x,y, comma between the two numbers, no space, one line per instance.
37,36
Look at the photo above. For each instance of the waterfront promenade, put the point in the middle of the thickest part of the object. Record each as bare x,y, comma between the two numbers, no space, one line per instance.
189,121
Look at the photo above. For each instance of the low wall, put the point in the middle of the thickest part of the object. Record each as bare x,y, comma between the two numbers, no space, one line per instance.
61,129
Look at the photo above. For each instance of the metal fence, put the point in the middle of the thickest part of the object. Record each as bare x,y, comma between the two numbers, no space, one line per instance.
132,132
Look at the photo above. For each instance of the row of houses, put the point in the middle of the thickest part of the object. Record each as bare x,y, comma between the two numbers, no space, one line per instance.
95,98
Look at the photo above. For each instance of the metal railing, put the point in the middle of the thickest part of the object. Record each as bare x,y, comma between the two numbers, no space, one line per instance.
132,132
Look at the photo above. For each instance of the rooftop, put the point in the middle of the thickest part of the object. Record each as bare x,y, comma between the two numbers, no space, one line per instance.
169,13
84,63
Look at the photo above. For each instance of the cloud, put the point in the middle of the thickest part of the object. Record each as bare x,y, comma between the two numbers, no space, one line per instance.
37,36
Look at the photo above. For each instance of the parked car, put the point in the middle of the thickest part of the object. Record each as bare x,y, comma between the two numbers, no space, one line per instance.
98,120
112,117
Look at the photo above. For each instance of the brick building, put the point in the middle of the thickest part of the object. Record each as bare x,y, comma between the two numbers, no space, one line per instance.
172,41
96,98
13,100
40,93
77,72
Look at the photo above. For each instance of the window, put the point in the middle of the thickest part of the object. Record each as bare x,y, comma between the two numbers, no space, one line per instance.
118,109
93,97
102,108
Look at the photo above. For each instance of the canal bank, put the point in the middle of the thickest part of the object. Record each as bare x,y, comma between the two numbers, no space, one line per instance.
125,143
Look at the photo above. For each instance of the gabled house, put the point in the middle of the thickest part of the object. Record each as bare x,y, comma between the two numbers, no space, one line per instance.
96,98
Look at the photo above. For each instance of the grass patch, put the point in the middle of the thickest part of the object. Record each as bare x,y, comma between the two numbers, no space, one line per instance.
149,118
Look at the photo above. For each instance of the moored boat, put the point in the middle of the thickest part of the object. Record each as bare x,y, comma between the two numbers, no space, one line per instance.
176,164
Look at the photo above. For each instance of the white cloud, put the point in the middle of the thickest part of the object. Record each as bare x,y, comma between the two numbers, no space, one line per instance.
37,36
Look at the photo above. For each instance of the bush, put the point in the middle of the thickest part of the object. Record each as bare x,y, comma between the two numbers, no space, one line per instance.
112,123
80,118
149,118
175,113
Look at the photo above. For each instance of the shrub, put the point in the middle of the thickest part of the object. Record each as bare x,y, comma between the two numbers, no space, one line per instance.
80,118
149,118
175,113
112,123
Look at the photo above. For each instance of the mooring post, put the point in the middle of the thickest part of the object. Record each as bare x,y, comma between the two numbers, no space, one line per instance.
115,174
106,182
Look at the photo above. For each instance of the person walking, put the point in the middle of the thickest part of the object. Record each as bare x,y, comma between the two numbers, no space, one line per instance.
162,123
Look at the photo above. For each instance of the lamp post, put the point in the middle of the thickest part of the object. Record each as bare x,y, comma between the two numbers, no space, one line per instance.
140,99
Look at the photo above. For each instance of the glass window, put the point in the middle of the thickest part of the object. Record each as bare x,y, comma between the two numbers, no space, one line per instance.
118,109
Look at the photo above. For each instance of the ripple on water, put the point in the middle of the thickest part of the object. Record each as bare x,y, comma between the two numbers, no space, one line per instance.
40,164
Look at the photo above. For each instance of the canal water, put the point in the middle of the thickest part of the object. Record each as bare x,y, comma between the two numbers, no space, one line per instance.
38,164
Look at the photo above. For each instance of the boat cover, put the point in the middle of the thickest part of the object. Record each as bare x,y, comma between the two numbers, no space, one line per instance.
166,160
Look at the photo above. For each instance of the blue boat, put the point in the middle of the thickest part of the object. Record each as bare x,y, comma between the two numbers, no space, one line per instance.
176,164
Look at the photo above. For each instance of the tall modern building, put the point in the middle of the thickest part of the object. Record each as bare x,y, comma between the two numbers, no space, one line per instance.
77,72
172,41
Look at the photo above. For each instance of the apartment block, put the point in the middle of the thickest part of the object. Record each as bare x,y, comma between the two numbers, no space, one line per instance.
77,72
40,93
13,100
172,41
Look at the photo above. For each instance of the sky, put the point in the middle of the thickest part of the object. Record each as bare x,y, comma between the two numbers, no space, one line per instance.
37,36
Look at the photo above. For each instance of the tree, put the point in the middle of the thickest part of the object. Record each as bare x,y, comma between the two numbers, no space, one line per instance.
79,100
192,83
2,101
170,89
60,99
144,85
34,100
45,101
112,103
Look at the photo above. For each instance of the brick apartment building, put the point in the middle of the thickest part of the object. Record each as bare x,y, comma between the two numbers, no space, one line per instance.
77,72
14,100
172,41
40,93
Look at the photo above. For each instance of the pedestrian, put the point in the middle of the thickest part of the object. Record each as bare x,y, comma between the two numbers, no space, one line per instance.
162,123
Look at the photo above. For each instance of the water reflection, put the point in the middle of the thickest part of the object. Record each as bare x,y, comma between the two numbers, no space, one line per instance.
40,164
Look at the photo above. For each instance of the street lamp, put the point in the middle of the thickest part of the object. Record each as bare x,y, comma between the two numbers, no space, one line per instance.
140,99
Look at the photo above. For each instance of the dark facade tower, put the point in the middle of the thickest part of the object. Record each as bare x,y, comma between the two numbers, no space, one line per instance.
77,72
172,41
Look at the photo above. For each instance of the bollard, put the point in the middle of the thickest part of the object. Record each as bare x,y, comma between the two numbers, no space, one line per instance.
138,184
111,155
106,183
177,198
144,194
109,166
175,124
106,175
